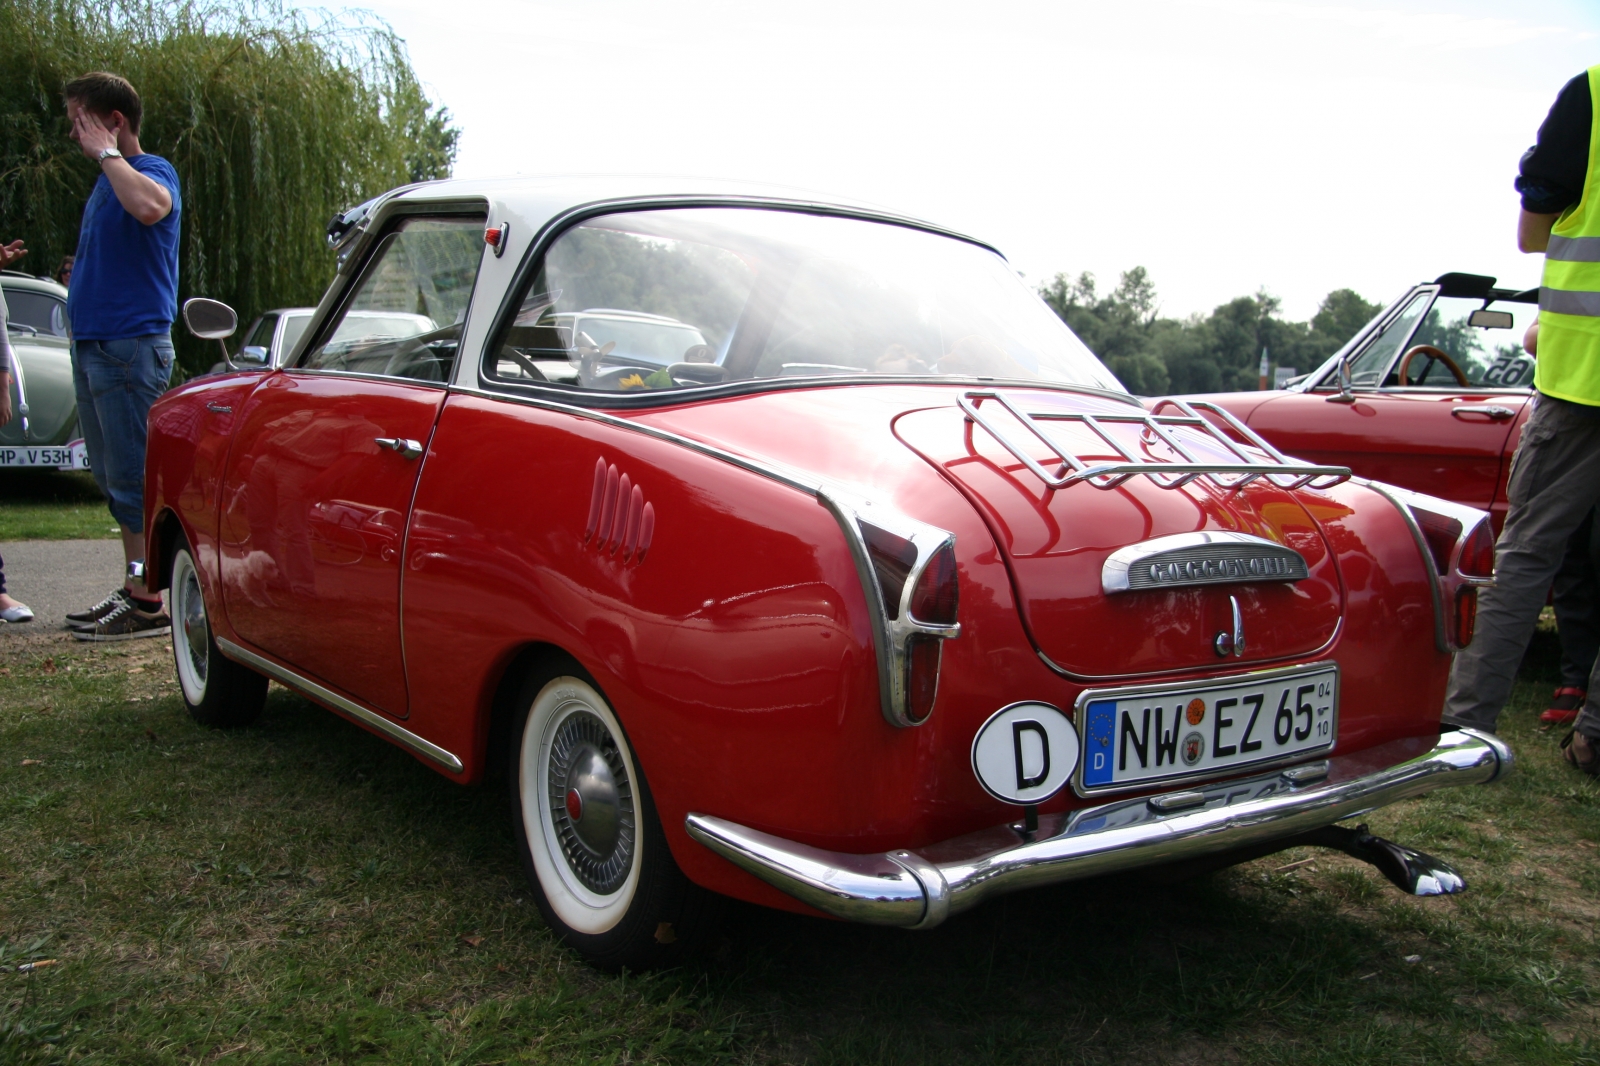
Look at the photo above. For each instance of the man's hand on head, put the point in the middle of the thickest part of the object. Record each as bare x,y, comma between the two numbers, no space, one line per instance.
92,133
143,198
10,253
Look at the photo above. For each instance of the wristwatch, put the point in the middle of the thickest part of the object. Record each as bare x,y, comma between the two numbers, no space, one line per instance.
107,153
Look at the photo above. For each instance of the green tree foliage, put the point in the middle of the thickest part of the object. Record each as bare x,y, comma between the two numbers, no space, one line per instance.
1203,353
273,123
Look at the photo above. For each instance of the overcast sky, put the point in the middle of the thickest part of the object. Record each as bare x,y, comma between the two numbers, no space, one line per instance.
1226,145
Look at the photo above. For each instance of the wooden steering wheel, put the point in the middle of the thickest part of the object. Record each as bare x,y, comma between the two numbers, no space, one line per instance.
1432,353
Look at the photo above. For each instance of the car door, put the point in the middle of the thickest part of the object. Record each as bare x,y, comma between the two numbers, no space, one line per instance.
1429,432
326,457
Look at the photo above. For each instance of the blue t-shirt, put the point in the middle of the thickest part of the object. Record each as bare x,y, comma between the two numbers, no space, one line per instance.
125,278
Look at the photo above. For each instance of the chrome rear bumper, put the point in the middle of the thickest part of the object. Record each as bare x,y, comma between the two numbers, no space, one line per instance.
919,889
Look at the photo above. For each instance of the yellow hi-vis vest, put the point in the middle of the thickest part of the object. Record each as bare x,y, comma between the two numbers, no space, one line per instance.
1569,296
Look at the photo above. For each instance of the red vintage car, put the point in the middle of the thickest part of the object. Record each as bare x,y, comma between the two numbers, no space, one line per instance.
1431,395
795,552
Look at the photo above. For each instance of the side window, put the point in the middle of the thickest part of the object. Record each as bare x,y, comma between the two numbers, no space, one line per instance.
37,311
624,302
405,316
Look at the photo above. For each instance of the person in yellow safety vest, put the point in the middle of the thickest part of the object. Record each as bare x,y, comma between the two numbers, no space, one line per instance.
1555,474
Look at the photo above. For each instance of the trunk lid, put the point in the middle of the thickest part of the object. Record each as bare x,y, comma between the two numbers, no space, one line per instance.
1056,543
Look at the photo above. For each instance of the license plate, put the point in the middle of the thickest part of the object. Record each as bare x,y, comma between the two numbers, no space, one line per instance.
1133,737
67,457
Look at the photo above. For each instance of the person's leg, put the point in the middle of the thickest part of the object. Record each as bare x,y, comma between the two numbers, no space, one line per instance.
1583,744
124,384
1575,595
1555,483
84,355
11,610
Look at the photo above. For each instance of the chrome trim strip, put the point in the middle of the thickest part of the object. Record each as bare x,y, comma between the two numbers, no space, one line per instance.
889,888
1080,719
22,392
1119,573
396,733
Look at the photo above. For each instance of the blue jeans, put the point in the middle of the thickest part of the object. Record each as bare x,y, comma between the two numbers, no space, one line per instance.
116,382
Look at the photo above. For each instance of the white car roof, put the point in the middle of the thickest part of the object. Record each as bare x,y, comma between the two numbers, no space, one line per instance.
538,200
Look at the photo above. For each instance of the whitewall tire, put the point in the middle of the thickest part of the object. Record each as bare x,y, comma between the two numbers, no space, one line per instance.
217,691
590,840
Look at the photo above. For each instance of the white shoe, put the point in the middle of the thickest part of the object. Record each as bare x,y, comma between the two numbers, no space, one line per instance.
19,613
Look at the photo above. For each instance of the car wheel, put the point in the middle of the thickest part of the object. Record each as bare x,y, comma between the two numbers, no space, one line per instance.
217,691
591,844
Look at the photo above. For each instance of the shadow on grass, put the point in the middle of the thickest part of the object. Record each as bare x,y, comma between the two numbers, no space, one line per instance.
1245,965
48,486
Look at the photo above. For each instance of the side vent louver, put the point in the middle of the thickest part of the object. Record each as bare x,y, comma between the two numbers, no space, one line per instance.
621,524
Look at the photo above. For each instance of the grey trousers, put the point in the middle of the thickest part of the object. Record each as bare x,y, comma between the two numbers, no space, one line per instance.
1575,594
1555,483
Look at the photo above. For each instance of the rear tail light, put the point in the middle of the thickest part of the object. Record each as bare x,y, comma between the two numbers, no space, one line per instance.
1466,615
1441,533
922,677
1477,554
914,568
937,597
934,601
893,556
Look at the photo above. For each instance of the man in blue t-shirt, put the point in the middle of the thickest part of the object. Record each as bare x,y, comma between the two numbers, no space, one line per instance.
123,298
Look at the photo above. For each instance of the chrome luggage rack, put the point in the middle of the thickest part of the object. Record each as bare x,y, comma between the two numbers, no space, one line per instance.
1272,464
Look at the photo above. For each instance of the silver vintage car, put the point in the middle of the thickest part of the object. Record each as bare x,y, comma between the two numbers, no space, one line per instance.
44,433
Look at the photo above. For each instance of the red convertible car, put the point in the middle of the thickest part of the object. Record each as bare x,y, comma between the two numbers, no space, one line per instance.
795,552
1431,395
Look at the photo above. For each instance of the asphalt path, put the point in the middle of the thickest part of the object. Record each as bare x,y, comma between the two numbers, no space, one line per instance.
57,576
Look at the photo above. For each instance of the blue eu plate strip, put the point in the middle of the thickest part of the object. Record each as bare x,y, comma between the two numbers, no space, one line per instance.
1099,741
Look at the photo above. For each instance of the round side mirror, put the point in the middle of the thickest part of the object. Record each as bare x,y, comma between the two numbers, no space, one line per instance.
210,320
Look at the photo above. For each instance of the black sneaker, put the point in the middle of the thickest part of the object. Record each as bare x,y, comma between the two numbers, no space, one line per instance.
127,622
88,617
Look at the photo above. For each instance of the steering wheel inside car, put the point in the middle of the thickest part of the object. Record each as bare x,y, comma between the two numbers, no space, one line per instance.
1433,354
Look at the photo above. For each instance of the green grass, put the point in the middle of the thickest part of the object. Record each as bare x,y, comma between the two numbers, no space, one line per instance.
302,892
52,505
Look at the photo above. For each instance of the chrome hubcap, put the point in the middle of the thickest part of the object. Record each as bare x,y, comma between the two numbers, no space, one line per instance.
591,802
196,633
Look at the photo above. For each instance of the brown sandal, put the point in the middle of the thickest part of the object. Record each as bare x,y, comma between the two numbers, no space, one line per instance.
1569,751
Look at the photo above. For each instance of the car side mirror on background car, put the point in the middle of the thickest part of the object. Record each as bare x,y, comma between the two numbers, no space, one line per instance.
1346,393
1486,319
213,320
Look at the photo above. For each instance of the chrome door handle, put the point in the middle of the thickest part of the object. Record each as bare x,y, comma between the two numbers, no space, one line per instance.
408,448
1495,412
219,408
